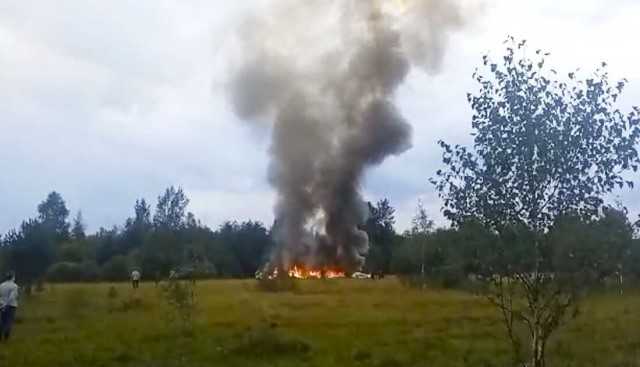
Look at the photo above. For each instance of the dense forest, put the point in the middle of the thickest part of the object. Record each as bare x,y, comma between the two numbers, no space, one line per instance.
54,247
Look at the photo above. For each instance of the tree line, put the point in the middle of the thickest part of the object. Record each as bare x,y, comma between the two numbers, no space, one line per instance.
605,247
52,247
55,248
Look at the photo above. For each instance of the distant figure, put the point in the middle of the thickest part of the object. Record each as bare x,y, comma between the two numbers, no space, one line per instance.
8,305
135,279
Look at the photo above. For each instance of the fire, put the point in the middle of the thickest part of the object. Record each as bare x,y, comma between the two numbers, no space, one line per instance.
301,272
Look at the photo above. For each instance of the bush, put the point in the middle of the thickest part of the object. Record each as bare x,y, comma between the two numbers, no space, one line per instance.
74,252
414,281
203,270
72,272
180,297
116,269
447,278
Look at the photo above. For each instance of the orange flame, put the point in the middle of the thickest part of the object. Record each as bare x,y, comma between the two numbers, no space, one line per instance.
300,272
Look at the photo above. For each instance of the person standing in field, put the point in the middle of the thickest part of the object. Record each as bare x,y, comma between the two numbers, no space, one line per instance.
8,305
135,279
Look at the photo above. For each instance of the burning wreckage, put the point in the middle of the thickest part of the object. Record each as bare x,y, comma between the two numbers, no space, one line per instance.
300,272
331,112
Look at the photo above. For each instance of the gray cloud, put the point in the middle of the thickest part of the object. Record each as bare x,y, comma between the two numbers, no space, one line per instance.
110,101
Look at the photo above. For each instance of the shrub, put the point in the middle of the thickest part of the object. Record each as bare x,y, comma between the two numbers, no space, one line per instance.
91,271
72,272
116,269
74,252
447,278
180,297
414,281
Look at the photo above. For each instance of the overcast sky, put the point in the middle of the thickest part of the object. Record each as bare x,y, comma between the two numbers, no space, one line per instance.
110,101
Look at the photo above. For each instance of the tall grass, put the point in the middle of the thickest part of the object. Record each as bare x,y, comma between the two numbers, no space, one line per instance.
339,322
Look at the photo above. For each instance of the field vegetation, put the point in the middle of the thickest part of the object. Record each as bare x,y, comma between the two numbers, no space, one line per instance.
339,322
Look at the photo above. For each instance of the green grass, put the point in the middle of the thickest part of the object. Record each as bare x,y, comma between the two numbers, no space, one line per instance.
320,323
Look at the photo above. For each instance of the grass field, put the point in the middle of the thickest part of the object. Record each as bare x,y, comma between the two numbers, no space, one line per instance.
322,323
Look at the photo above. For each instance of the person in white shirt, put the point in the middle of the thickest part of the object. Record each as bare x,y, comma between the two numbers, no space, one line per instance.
8,305
135,279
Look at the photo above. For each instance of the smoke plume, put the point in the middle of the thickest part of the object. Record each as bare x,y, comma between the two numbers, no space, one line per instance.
324,73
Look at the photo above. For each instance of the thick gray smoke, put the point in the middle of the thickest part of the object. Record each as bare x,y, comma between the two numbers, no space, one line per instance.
324,73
